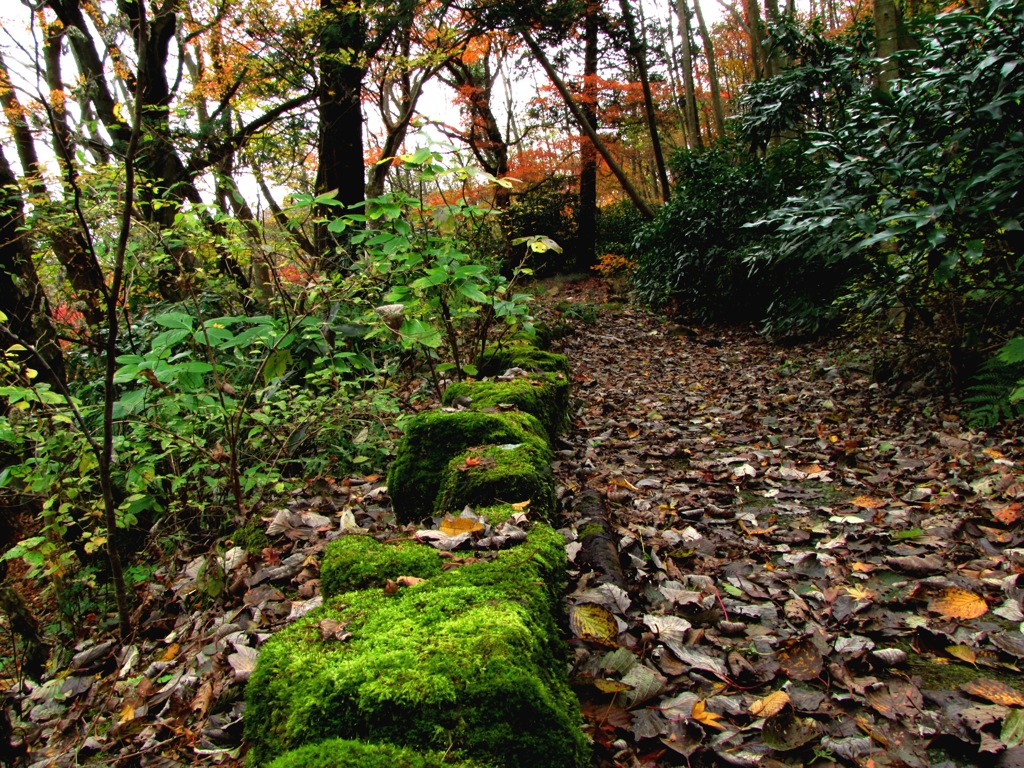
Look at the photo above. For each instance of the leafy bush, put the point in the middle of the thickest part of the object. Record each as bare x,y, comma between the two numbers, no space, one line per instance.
918,213
551,208
692,254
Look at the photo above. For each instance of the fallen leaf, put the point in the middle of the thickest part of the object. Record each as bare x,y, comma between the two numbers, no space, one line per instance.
770,705
1012,732
590,621
957,603
1009,514
705,717
464,523
784,731
170,652
868,502
800,659
994,691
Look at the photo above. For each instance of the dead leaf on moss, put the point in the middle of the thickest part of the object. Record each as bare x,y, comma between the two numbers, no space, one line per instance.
994,691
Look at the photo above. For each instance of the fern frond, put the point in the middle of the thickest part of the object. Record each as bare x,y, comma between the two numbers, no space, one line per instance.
995,395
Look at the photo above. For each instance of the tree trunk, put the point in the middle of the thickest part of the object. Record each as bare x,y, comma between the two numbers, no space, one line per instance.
689,89
755,28
709,55
627,186
890,37
340,138
586,238
637,52
25,304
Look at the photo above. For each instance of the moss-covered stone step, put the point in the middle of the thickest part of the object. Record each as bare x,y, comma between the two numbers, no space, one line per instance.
469,661
434,438
494,360
357,562
510,473
345,753
544,395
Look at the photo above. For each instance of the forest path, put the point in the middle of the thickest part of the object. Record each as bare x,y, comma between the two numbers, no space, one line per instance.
819,569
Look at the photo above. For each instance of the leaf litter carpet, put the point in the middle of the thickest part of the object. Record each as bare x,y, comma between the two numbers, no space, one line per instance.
817,569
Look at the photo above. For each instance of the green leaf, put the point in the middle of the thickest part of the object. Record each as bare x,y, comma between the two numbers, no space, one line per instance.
472,292
174,320
1012,351
1012,734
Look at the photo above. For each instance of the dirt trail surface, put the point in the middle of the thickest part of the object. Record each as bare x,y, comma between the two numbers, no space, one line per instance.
817,569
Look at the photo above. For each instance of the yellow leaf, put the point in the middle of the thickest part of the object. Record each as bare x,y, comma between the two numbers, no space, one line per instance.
454,526
171,652
704,717
957,603
992,453
770,704
520,505
127,713
590,621
859,593
611,686
962,652
863,567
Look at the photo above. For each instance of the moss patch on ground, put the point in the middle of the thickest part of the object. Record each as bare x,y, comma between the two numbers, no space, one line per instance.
494,361
470,661
344,753
433,439
544,395
510,473
358,562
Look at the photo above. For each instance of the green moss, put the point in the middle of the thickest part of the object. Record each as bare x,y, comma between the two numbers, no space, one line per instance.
357,562
252,537
470,660
433,439
343,753
509,473
545,396
590,529
496,360
496,514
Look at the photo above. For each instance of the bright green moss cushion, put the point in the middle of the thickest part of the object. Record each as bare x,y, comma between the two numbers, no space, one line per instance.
356,562
471,661
434,438
545,396
511,473
343,753
494,361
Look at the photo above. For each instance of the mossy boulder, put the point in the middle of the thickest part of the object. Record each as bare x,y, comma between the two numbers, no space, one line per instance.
357,562
544,395
495,360
510,473
470,661
345,753
434,438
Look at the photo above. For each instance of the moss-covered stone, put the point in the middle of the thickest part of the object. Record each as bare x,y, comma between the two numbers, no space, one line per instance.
432,439
496,360
470,660
544,395
358,562
345,753
509,473
496,514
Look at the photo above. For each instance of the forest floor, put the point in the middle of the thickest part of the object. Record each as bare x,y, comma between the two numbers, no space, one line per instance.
816,569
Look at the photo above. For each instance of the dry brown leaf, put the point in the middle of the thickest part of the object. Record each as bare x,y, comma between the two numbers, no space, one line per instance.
868,502
800,659
994,691
770,704
171,652
1009,514
957,603
409,581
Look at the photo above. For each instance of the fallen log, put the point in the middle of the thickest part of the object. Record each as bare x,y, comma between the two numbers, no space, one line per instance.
600,549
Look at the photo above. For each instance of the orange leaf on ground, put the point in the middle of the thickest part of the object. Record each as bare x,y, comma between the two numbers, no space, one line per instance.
704,717
867,502
994,691
1009,514
957,603
770,704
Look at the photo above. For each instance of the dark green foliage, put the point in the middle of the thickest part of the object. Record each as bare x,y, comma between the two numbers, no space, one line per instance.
546,209
360,562
343,753
509,473
997,392
617,226
433,439
919,211
545,396
470,661
693,254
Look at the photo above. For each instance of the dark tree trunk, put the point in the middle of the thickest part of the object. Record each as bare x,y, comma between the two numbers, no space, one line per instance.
586,238
25,304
